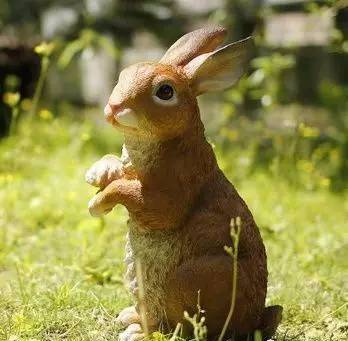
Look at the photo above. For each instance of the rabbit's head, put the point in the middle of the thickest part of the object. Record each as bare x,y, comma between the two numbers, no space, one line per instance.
159,99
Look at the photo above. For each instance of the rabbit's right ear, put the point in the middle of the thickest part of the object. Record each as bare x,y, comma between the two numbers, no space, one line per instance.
193,44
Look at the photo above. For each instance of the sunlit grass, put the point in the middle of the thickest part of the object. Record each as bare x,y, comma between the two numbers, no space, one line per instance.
61,270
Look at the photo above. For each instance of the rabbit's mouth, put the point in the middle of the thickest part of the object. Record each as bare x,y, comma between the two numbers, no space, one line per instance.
122,118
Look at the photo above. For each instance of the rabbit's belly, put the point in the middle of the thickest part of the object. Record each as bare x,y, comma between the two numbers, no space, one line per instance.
159,253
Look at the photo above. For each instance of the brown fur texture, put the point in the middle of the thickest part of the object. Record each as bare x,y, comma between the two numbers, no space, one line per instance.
180,203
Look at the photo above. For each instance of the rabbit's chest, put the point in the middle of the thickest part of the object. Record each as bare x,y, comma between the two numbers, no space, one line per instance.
159,253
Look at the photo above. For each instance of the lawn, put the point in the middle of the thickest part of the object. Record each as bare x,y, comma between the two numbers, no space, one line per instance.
61,271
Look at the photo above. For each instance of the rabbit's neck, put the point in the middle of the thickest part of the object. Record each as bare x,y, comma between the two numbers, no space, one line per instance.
140,152
147,154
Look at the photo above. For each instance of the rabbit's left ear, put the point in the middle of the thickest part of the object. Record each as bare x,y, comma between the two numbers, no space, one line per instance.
193,44
219,69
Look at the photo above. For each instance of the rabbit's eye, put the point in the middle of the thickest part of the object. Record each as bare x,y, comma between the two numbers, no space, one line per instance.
165,92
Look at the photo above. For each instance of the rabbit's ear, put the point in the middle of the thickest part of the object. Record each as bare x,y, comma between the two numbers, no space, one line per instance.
194,44
220,69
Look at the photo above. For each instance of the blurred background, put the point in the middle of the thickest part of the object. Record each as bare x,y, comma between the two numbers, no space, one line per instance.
280,135
289,111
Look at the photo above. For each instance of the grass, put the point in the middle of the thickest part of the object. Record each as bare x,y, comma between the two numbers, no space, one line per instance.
61,270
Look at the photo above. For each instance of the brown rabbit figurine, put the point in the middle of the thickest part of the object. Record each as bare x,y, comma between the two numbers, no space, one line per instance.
180,203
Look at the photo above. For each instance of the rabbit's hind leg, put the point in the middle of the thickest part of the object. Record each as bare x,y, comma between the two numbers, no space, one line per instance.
210,279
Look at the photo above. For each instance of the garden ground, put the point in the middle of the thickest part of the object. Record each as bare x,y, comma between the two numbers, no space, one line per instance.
61,271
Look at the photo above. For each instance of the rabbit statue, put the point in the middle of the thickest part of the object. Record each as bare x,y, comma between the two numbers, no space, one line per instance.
180,203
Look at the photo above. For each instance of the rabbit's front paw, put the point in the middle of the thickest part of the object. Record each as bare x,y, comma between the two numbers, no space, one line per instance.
97,208
104,171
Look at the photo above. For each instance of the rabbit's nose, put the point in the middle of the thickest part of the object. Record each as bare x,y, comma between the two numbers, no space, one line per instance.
111,110
107,111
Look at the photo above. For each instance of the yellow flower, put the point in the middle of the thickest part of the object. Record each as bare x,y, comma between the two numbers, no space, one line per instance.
45,114
44,49
231,134
72,195
307,131
6,178
11,98
305,165
229,110
334,155
26,104
38,150
324,182
85,136
9,178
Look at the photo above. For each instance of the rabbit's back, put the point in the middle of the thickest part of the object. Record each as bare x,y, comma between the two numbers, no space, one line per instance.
209,225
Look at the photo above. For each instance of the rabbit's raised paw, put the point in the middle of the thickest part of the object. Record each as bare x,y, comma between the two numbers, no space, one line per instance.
104,171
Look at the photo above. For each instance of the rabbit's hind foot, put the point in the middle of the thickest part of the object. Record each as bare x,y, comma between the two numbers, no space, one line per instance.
127,317
133,332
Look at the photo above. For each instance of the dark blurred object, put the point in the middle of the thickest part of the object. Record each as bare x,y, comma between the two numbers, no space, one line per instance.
123,17
32,21
340,60
17,61
120,18
242,17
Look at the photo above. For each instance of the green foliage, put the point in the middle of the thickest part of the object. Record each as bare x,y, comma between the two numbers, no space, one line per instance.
305,144
266,118
88,38
264,85
68,264
301,153
265,82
